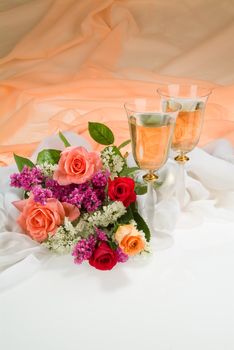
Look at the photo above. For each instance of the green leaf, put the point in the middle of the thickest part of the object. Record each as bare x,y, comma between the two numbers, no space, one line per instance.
21,162
125,143
50,156
26,194
115,228
133,206
113,245
101,133
64,140
127,171
140,189
142,225
128,216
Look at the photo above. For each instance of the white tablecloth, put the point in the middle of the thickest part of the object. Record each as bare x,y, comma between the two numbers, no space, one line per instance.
181,298
178,299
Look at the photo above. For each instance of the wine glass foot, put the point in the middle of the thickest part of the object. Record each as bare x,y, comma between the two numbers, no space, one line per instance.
161,241
150,176
181,158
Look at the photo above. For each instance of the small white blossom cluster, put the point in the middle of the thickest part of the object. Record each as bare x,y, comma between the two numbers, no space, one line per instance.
47,168
67,235
111,161
108,215
84,228
63,241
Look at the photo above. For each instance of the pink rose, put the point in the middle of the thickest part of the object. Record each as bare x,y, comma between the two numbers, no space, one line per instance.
76,165
39,220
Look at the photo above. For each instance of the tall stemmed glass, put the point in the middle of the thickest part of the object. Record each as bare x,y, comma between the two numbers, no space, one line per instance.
188,126
151,131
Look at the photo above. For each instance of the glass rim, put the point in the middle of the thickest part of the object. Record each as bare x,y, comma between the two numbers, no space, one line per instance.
129,106
205,91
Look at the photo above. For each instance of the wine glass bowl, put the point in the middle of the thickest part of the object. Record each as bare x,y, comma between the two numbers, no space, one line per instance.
189,121
151,131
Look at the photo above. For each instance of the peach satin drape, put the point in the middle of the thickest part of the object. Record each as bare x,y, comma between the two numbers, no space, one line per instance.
66,62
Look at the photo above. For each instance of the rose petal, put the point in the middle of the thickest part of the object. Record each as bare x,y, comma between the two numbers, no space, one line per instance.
20,204
71,211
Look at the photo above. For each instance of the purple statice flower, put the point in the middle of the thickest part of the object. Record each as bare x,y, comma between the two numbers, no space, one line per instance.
84,249
72,193
101,194
75,197
41,194
100,179
27,178
121,256
83,187
15,180
82,195
91,201
101,235
59,192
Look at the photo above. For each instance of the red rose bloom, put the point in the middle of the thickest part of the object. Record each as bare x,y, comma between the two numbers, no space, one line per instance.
103,258
122,189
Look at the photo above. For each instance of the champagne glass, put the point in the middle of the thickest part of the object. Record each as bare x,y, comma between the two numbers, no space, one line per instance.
193,99
151,132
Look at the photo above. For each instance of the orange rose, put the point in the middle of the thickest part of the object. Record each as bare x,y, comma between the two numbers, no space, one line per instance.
130,240
76,165
38,220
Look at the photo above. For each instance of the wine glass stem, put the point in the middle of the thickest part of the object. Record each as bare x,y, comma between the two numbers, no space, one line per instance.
150,201
180,187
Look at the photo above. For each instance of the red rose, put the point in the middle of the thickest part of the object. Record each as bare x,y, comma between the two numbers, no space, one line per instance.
122,189
103,258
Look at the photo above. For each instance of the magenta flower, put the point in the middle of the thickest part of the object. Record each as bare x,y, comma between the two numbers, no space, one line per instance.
100,179
84,249
59,192
41,194
90,201
27,178
121,256
101,235
82,195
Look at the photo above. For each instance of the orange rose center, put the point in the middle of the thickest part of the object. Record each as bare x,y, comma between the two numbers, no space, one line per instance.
132,245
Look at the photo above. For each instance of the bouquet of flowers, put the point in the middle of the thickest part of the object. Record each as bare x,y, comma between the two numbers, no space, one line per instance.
83,203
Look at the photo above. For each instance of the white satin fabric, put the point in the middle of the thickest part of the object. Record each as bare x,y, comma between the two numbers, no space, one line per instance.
209,196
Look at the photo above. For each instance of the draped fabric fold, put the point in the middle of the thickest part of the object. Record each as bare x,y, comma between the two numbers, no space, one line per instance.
66,62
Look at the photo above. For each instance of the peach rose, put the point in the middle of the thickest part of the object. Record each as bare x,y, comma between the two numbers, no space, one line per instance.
38,220
130,239
76,165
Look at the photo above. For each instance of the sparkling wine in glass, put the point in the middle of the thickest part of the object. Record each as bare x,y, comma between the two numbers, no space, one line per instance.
190,118
151,131
150,135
